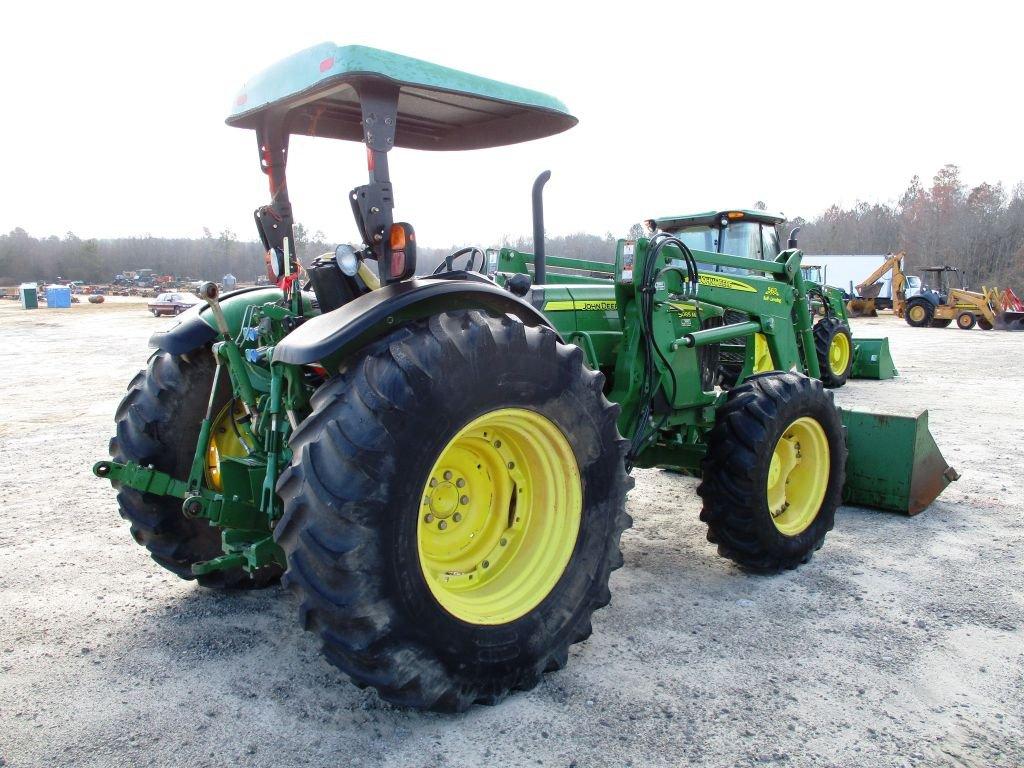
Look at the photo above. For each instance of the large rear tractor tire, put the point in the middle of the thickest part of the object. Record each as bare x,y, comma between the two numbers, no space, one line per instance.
774,471
833,345
158,423
919,313
453,510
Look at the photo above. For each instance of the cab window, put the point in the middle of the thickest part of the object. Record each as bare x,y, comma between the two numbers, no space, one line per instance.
702,238
742,238
769,242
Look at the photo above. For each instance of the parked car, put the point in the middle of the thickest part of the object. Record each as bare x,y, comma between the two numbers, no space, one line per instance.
171,303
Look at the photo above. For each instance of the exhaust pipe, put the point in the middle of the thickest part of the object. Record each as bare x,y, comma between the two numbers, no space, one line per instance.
539,259
792,237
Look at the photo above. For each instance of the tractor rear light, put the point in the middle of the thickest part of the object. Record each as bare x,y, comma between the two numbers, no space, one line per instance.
402,245
397,264
397,237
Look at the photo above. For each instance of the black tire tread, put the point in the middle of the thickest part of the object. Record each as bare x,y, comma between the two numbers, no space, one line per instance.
929,312
153,426
824,331
730,487
334,551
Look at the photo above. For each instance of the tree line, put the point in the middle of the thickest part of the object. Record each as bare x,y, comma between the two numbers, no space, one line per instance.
979,229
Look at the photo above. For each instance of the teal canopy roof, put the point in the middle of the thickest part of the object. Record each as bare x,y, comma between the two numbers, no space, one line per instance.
438,108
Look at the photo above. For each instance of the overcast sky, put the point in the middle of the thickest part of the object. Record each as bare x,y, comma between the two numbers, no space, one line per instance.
113,115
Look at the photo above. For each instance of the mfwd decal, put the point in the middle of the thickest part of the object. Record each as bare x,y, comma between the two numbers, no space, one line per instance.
717,281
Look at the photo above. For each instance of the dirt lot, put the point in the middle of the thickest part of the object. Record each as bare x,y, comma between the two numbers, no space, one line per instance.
902,643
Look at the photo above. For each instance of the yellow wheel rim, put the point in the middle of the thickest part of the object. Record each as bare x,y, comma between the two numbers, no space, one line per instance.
798,476
917,313
499,516
224,441
839,353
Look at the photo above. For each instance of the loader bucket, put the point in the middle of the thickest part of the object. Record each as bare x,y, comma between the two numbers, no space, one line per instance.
872,360
1010,321
893,463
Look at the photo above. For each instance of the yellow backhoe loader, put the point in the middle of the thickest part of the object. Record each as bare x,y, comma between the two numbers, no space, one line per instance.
864,303
939,304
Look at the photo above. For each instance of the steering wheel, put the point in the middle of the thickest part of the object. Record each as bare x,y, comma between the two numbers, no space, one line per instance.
471,252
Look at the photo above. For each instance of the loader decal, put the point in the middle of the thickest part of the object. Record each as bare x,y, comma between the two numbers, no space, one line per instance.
717,281
771,293
593,305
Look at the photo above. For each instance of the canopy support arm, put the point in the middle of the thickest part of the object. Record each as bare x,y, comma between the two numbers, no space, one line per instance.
274,222
372,203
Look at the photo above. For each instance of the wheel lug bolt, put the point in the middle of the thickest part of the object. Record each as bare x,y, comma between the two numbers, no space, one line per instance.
433,482
460,483
429,518
485,563
442,525
511,465
447,474
457,517
464,500
503,542
497,443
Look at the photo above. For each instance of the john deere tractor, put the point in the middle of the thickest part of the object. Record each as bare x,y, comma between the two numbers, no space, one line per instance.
438,466
755,234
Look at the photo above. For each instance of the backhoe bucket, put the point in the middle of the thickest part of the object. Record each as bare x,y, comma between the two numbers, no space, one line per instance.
872,360
894,463
861,308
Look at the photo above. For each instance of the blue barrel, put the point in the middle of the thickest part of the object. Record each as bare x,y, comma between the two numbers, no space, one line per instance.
58,297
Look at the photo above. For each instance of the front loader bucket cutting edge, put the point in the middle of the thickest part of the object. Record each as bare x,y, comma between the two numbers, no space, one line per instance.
894,463
872,360
1010,321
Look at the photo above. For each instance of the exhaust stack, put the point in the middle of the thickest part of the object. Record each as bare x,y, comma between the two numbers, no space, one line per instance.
539,258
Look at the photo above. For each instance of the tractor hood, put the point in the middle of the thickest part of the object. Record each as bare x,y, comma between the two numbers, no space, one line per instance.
438,108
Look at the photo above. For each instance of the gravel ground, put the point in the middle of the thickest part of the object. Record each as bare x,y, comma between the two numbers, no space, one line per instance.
901,643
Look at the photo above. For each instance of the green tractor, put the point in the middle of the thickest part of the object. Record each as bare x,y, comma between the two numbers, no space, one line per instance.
755,234
438,466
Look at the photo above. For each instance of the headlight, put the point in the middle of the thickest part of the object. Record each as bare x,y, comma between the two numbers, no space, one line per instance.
347,259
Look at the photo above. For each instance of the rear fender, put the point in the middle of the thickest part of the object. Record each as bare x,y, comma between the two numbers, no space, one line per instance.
337,334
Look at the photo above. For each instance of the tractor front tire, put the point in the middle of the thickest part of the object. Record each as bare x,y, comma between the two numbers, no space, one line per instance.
833,345
158,424
919,314
453,510
966,320
773,475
